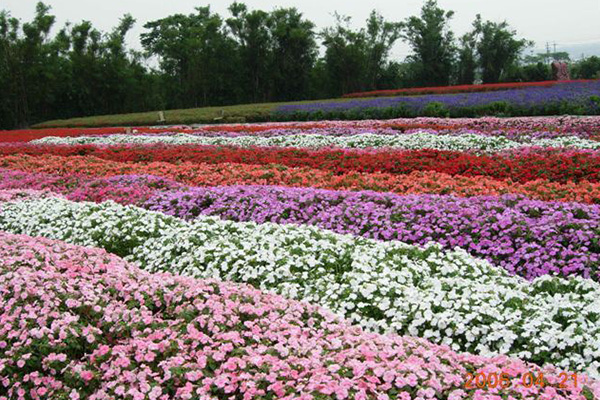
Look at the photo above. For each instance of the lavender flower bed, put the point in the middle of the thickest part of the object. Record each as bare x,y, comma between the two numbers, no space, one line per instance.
526,237
531,100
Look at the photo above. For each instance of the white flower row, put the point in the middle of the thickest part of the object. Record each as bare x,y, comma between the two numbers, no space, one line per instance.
447,297
413,141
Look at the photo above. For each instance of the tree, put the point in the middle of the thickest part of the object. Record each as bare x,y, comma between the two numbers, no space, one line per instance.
28,65
196,55
528,73
345,59
588,68
80,71
13,106
547,57
432,43
294,54
497,48
251,32
358,60
381,35
467,63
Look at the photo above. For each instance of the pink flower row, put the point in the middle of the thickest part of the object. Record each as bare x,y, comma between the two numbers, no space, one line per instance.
78,323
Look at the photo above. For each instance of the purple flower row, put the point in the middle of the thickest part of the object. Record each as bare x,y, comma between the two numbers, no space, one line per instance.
531,99
526,237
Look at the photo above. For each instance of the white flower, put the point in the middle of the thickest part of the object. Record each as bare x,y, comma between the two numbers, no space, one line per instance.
409,141
385,290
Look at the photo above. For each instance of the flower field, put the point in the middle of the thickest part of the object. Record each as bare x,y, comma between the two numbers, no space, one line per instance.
410,259
489,87
569,97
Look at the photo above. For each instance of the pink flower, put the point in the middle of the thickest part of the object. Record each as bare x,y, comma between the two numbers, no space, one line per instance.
86,375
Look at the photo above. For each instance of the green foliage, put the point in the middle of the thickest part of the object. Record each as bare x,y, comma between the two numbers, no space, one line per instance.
190,49
432,43
77,72
207,63
436,109
294,53
254,41
588,68
528,73
467,62
497,48
546,58
358,60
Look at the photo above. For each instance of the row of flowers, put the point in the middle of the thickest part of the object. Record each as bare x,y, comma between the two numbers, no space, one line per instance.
575,98
588,126
195,174
526,237
488,87
83,324
448,297
518,165
585,127
409,141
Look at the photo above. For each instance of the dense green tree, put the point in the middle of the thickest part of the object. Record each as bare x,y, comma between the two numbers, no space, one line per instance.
432,43
497,48
357,60
588,68
251,32
345,59
528,73
294,54
381,35
13,106
80,71
251,56
467,62
197,56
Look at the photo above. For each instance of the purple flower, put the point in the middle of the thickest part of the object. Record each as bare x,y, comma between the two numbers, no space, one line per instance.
526,237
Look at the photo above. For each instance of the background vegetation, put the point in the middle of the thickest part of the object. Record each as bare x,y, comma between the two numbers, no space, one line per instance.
249,56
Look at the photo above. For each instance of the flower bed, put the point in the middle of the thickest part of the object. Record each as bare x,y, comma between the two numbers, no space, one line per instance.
519,165
489,87
448,297
525,237
530,238
168,337
584,127
194,174
409,141
576,98
478,236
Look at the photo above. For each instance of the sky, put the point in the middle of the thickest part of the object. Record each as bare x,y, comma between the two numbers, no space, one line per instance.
573,25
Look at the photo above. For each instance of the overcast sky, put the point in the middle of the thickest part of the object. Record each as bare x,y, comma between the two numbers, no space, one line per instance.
573,24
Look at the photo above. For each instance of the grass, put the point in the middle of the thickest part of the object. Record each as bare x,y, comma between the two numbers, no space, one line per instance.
206,115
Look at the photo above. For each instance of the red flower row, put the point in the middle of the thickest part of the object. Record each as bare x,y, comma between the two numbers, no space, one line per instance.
552,165
25,135
198,174
489,87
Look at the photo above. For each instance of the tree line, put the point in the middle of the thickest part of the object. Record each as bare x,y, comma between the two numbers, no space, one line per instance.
249,56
